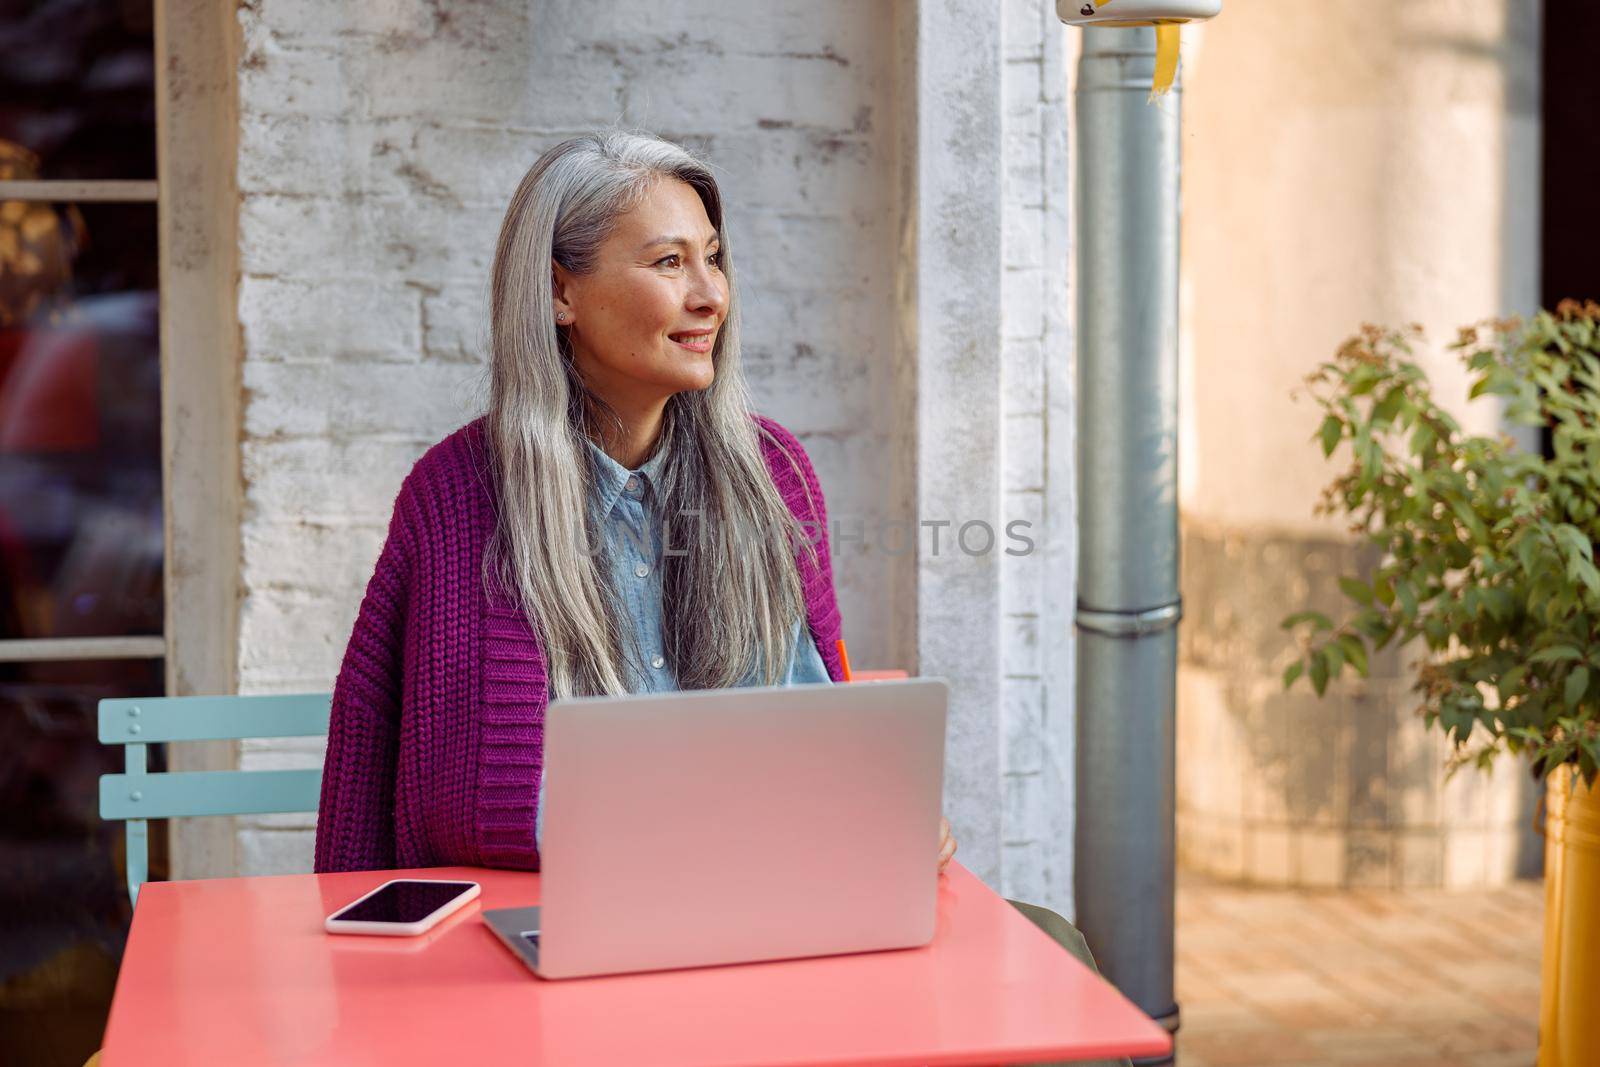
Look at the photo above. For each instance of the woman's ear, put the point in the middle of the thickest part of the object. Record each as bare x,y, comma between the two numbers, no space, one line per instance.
561,294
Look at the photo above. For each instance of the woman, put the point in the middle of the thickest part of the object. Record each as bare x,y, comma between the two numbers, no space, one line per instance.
619,491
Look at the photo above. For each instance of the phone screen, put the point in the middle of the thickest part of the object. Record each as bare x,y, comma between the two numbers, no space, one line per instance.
403,902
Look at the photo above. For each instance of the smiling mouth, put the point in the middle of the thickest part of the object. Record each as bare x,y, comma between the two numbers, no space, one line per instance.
694,342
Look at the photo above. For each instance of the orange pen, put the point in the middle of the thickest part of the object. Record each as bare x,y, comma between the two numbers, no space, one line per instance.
844,659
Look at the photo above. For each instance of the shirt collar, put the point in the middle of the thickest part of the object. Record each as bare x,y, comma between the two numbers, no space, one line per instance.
612,477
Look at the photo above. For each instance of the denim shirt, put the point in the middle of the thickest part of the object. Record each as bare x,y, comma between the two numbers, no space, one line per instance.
627,509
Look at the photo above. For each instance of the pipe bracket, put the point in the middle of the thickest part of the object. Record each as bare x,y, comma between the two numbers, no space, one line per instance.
1130,623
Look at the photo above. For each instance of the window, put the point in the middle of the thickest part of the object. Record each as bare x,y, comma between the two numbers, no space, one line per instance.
81,538
1570,119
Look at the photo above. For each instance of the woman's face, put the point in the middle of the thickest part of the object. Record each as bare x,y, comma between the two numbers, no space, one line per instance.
642,325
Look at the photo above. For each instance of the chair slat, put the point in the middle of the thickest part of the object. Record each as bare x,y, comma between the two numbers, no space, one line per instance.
127,720
186,793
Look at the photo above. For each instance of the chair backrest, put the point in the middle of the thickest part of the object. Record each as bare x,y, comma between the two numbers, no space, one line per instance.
137,795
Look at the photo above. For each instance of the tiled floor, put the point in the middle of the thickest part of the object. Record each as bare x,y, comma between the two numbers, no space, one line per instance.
1358,978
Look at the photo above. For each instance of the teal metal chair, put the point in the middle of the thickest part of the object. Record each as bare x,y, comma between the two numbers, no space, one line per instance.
138,796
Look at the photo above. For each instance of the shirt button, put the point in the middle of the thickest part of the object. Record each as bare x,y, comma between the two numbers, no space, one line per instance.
633,484
657,663
641,570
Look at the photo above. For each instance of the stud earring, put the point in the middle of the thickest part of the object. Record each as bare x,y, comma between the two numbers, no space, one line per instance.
561,316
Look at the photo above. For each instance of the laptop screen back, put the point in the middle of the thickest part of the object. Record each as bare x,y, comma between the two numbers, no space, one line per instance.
685,829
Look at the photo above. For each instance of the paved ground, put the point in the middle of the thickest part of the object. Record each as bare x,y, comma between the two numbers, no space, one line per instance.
1358,978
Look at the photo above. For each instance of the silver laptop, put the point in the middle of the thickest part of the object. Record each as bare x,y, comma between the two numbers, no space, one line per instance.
733,825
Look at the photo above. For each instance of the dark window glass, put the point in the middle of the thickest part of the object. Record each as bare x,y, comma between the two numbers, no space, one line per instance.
63,900
1570,122
77,90
1570,102
80,502
80,422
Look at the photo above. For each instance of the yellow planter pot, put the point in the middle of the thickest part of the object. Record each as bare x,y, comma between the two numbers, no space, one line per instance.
1570,977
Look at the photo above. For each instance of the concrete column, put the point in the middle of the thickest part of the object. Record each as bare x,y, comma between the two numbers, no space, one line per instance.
954,290
1343,163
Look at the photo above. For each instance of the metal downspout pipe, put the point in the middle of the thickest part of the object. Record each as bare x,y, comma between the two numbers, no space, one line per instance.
1128,606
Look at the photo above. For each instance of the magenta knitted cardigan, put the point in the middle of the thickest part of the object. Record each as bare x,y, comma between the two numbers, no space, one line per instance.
437,731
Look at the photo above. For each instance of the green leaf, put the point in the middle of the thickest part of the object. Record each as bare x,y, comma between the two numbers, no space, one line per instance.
1502,605
1577,683
1384,411
1371,456
1588,575
1381,640
1423,439
1407,596
1509,682
1317,620
1470,520
1363,381
1370,624
1293,672
1527,552
1556,654
1319,673
1332,430
1573,540
1356,590
1354,652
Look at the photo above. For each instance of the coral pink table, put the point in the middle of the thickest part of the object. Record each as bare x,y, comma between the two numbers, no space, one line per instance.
239,971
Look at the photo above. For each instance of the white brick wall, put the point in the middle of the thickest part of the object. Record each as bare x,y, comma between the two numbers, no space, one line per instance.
378,145
1038,590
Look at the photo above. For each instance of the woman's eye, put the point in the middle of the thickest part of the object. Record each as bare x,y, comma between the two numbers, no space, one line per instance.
715,259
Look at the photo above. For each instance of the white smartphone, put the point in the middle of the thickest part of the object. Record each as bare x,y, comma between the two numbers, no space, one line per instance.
401,907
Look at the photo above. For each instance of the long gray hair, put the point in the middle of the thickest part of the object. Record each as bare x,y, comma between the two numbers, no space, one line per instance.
731,587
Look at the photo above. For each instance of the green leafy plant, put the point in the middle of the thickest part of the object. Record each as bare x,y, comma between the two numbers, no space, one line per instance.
1486,550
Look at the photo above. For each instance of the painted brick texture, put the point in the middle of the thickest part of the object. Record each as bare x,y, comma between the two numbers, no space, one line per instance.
1037,589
